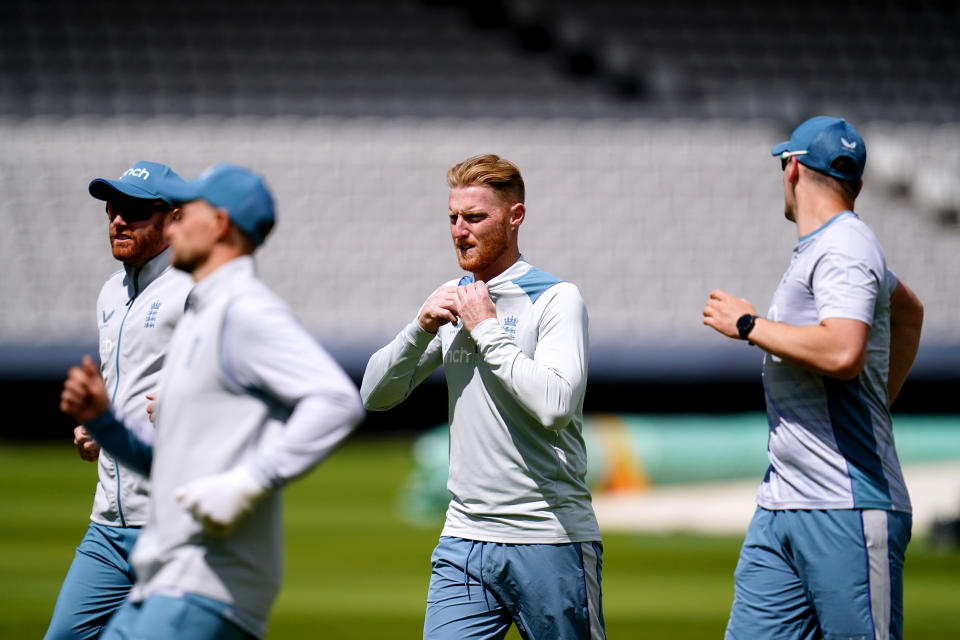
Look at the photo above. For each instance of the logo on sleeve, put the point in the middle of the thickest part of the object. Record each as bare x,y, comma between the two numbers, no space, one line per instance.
107,316
151,320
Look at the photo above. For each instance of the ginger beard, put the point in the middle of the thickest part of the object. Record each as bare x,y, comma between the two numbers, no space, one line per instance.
477,252
134,244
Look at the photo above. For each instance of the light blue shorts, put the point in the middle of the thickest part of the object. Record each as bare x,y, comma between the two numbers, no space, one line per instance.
96,585
185,617
550,591
806,574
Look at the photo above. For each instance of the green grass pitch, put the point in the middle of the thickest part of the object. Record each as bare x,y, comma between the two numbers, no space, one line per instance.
355,569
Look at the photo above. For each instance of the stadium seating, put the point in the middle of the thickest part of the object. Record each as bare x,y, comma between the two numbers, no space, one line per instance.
643,131
646,216
565,58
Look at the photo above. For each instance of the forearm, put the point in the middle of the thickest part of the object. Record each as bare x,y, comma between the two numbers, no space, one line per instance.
906,324
549,387
835,347
130,443
316,426
394,371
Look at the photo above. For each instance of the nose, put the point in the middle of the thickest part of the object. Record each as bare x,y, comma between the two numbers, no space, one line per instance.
459,228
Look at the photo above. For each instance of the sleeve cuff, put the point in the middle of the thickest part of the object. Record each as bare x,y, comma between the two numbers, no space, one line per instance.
103,422
417,335
262,476
486,332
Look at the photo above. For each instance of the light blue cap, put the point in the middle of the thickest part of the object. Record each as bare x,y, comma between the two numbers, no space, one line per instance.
241,192
141,181
824,139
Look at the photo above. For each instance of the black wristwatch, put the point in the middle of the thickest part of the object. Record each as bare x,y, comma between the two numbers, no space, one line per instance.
745,325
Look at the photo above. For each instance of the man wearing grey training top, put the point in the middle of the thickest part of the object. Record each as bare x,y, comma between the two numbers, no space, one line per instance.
137,310
247,401
823,556
521,543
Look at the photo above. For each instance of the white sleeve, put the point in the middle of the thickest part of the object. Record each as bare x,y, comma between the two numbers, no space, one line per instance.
394,371
551,383
265,349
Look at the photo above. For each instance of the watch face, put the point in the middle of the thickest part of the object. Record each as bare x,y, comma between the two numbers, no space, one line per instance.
745,324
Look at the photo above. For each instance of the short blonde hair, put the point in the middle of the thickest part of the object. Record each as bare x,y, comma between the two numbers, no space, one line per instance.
492,171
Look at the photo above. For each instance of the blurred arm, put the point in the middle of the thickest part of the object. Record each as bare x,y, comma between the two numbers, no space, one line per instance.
266,349
85,399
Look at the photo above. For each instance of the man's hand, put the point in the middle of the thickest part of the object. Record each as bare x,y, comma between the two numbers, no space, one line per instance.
86,446
439,309
219,502
723,310
84,397
475,305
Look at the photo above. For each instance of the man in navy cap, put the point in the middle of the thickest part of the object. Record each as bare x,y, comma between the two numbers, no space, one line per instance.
247,401
137,309
823,556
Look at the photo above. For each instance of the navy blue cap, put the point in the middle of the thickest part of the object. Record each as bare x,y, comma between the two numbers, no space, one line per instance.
241,192
139,181
821,140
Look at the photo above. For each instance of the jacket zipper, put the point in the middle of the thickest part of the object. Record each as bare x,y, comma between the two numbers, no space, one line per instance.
116,386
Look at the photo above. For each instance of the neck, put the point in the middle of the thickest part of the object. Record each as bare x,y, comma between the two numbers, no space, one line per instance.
816,208
137,264
499,266
219,256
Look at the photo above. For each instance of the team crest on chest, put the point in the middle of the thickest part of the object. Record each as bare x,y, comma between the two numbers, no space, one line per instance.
151,320
510,326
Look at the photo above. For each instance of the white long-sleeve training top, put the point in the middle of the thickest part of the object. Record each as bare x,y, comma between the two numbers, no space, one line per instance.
516,387
244,383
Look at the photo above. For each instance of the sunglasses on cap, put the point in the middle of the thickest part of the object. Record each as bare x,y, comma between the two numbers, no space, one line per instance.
135,210
786,155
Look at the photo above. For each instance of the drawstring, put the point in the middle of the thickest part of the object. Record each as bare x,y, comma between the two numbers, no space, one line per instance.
466,576
466,566
482,587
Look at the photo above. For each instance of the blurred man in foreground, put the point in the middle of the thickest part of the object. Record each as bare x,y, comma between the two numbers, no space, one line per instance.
521,543
247,402
823,556
137,309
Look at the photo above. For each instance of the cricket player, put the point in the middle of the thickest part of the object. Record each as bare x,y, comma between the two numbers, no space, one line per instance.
823,556
247,401
136,311
521,543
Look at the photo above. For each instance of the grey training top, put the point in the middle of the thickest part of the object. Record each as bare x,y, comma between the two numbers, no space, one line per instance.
831,441
136,312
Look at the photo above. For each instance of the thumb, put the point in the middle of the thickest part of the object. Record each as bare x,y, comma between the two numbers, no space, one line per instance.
88,367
